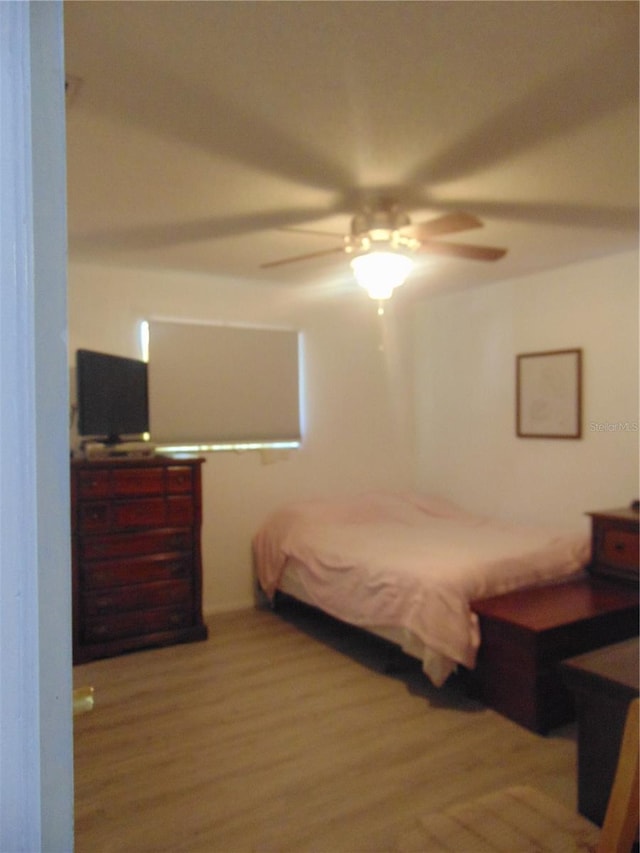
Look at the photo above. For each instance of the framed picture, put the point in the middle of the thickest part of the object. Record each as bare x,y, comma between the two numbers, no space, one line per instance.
549,394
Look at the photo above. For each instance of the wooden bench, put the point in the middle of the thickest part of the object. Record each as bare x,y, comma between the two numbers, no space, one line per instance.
526,634
604,682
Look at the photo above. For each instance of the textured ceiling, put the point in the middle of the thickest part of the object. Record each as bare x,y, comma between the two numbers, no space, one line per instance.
214,136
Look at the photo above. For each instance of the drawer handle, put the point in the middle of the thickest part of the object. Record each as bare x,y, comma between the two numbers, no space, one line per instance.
619,547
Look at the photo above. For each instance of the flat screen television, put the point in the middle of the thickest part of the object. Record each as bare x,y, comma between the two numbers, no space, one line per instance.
113,396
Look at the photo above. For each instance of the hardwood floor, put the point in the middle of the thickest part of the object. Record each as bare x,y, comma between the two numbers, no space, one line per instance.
284,732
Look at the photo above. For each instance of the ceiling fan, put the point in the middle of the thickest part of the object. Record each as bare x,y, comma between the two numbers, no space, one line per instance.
382,242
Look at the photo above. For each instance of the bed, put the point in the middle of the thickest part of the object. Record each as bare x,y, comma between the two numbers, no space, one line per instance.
406,566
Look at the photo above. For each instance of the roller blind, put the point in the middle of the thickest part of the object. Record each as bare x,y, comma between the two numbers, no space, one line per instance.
222,384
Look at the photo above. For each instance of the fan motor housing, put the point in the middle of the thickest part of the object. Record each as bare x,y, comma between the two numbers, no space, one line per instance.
379,228
383,218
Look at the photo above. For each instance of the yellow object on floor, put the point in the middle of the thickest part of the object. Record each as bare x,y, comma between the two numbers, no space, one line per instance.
82,700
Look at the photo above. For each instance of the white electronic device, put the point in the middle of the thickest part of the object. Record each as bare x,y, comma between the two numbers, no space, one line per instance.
97,450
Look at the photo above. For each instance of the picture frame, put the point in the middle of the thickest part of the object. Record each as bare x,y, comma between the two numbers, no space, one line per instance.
549,394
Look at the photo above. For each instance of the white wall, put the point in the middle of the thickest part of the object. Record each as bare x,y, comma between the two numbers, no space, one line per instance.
357,428
465,349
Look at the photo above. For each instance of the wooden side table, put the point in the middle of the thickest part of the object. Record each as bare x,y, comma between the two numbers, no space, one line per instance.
525,634
604,683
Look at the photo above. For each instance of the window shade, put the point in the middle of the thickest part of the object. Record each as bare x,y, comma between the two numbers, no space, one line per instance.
212,384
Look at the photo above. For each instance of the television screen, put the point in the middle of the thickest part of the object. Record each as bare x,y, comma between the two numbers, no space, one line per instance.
113,396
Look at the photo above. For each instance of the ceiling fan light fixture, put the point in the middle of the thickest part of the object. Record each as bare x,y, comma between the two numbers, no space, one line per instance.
380,272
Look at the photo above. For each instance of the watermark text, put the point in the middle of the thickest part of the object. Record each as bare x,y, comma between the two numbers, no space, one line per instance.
613,426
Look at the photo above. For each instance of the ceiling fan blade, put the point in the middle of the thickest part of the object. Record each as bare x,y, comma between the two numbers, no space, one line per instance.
153,236
309,256
576,94
446,224
462,250
315,232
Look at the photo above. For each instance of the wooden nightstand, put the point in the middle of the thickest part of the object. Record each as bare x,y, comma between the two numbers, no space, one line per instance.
614,544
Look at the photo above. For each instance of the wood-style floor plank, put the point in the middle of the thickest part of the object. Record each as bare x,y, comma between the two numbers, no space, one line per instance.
284,732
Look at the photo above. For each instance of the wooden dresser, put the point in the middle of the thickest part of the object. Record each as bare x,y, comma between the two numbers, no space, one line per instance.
136,558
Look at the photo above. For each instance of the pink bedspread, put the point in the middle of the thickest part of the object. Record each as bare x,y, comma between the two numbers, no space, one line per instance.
410,561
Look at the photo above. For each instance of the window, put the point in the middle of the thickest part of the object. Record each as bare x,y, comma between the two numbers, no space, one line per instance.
222,386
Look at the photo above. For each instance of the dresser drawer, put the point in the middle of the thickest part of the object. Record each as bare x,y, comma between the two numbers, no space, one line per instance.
145,596
134,544
94,517
138,481
179,479
126,482
103,516
94,484
619,548
135,623
140,513
103,574
179,511
614,544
